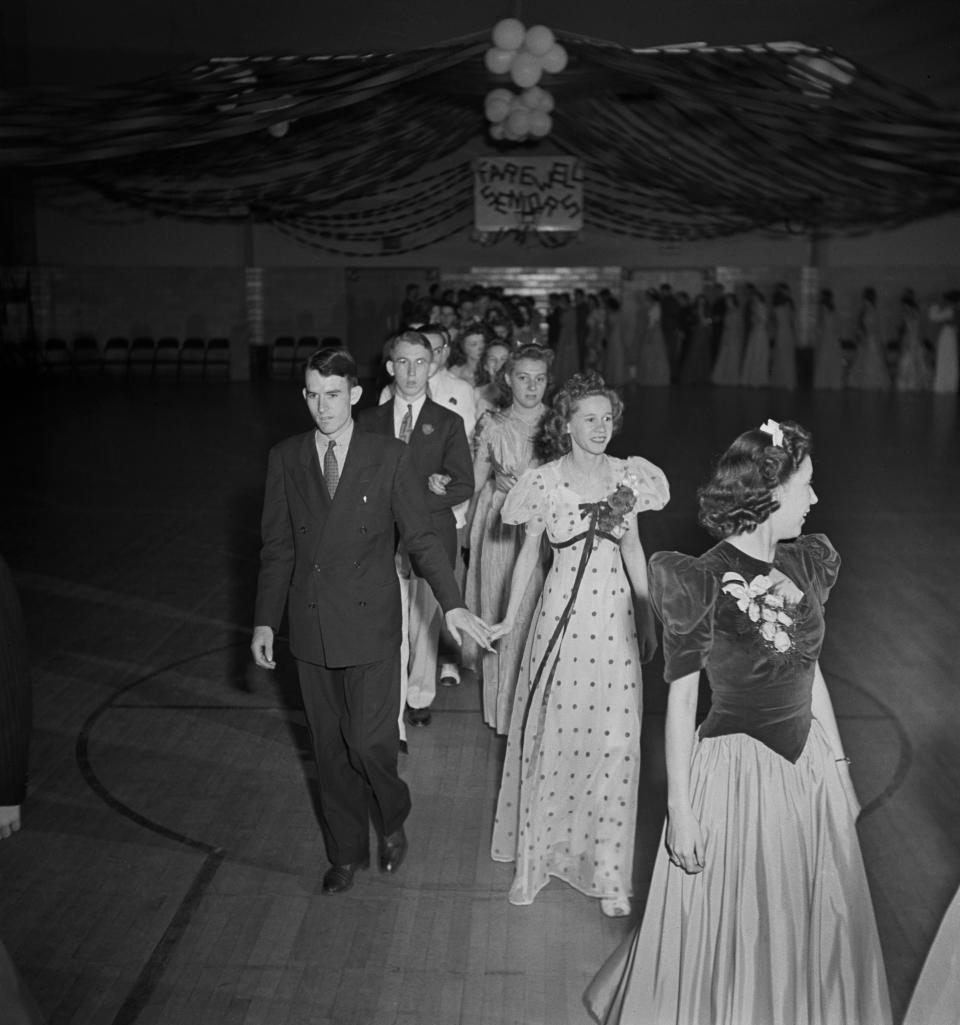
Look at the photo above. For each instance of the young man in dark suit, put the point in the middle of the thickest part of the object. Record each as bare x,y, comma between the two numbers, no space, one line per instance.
333,499
441,455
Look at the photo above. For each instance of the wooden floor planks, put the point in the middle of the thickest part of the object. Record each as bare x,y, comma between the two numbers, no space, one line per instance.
131,519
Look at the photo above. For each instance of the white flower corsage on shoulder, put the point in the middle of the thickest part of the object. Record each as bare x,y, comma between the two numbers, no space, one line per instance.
765,608
619,504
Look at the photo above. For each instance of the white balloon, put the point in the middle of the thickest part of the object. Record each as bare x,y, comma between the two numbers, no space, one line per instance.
499,94
532,97
526,70
555,59
540,124
518,123
495,109
498,61
497,131
509,34
538,39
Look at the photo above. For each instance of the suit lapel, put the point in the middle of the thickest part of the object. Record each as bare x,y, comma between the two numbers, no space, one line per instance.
360,456
425,426
310,482
381,420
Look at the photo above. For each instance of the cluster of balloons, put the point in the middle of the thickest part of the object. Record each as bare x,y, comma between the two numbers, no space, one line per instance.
525,54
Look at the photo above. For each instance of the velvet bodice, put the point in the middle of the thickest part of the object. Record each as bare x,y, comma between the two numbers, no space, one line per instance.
756,689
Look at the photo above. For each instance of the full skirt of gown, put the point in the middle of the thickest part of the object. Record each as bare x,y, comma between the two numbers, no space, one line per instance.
568,796
494,546
755,370
911,364
869,370
945,375
779,925
653,366
936,997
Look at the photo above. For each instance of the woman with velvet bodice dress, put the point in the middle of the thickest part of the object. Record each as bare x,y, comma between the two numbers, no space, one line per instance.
568,794
759,911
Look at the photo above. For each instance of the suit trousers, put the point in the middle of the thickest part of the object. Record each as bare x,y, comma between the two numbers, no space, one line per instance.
352,715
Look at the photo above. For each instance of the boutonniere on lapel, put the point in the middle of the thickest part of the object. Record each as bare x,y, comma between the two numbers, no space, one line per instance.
427,429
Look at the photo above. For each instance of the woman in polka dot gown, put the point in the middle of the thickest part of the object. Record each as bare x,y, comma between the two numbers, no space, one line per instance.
567,802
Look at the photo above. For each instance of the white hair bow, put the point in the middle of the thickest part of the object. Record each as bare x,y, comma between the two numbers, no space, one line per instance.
772,428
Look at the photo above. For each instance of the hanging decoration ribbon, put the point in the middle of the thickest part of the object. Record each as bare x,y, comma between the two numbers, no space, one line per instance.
524,54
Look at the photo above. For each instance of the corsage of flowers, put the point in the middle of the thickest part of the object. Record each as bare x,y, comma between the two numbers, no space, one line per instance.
764,607
617,506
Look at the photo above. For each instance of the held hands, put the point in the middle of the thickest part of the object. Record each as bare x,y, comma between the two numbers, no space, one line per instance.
437,483
461,621
501,629
9,820
685,843
262,647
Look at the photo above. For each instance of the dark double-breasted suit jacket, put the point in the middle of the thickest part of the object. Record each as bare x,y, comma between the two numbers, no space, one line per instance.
438,444
332,561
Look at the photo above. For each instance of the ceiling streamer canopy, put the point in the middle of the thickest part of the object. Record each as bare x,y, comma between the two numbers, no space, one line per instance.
345,152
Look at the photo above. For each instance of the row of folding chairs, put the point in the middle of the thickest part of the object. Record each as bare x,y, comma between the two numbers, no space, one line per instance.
288,354
168,357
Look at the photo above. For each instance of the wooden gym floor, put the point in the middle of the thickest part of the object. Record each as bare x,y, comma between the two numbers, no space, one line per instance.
169,866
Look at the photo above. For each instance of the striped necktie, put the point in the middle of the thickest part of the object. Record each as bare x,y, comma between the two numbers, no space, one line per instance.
331,471
406,425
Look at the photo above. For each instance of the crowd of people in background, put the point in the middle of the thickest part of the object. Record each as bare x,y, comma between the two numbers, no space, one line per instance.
740,337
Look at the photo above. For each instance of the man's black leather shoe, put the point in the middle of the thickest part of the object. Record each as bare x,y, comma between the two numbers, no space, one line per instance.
418,716
393,849
339,878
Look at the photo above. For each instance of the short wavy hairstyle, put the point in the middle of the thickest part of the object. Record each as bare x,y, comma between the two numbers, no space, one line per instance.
332,361
740,494
534,353
458,355
552,440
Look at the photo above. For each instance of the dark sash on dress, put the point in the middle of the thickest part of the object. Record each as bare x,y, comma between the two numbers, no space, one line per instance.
591,509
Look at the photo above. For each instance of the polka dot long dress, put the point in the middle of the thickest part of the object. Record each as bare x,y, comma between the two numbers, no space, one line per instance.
568,795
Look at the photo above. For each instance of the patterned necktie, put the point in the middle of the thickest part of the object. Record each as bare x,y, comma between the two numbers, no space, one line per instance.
406,425
331,471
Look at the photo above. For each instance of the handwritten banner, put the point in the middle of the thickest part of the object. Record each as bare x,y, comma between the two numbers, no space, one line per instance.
536,193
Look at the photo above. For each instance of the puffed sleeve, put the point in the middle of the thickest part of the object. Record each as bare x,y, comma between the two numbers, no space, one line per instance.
654,489
683,593
527,502
819,561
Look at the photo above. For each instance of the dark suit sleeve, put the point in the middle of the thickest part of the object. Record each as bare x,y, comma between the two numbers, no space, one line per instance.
426,551
457,465
277,553
15,694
